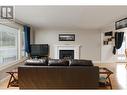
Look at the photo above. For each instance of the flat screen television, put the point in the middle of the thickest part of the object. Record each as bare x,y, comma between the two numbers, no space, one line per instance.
39,50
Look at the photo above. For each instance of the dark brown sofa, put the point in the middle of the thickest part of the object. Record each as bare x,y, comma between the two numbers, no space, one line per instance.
58,77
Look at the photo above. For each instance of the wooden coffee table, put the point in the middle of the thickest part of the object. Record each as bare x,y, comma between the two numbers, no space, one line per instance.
105,80
13,81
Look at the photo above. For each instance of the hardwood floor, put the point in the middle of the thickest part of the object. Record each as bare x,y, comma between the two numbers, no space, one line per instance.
118,79
3,85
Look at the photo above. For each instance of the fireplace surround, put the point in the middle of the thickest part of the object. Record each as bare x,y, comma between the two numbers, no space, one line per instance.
75,48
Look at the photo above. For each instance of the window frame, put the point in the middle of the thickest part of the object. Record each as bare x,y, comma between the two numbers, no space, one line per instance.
19,46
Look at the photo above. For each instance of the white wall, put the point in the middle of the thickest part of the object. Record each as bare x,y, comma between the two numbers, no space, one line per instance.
32,35
106,50
88,39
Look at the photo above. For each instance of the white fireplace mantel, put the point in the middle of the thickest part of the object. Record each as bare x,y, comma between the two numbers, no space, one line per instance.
76,49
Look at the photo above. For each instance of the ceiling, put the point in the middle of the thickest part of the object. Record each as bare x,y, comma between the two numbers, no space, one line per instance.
70,17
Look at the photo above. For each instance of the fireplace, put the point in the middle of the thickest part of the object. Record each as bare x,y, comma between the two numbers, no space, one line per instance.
68,51
68,54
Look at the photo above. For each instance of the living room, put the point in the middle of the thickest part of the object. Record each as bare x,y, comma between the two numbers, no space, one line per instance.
87,30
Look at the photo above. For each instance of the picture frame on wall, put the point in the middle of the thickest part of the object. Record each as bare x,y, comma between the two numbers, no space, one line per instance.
121,24
66,37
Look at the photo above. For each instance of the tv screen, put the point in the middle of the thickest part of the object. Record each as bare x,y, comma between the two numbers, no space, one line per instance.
39,50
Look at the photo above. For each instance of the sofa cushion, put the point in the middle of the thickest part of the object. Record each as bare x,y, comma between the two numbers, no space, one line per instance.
37,62
58,62
75,62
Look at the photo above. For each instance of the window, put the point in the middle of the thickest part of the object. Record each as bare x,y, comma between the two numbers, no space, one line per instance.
8,44
23,44
121,52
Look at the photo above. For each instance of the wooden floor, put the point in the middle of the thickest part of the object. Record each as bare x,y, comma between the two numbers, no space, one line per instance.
118,79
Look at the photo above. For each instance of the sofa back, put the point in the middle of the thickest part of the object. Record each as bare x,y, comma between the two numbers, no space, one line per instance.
58,77
58,62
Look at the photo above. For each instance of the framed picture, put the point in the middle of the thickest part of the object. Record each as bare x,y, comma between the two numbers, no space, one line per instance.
105,42
121,24
66,37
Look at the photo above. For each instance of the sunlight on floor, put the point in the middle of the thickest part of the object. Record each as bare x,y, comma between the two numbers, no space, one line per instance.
121,74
